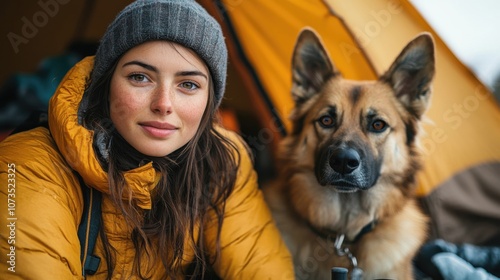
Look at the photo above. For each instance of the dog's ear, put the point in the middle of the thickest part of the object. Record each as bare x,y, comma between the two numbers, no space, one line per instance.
411,74
311,66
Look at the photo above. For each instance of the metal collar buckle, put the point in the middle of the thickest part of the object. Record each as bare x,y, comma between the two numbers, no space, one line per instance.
356,273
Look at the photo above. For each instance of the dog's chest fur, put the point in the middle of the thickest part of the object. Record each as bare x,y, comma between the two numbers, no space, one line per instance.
382,250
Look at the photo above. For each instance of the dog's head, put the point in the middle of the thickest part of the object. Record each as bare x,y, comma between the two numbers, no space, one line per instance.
353,132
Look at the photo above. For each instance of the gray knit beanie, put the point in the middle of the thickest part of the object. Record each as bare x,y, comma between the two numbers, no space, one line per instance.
181,21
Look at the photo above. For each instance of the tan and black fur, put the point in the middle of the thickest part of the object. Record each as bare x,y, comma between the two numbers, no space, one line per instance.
351,161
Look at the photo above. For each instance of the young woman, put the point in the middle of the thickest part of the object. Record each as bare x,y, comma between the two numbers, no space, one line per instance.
137,123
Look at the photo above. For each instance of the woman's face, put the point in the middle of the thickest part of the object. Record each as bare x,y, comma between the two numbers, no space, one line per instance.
158,94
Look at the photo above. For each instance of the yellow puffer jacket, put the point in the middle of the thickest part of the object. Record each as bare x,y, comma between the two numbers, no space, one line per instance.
41,204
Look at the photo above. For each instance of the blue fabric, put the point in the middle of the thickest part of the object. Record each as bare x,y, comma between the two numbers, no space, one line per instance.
440,260
452,267
24,93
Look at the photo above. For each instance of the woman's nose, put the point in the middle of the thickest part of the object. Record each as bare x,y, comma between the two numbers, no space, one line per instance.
162,101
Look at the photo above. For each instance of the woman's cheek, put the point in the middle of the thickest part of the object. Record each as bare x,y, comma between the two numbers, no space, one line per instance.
198,113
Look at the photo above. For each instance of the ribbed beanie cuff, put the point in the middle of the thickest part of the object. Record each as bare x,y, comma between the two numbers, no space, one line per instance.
181,21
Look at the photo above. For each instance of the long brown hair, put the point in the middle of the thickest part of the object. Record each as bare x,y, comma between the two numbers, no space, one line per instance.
195,182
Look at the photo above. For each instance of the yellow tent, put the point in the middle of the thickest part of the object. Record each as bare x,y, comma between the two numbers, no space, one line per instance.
363,38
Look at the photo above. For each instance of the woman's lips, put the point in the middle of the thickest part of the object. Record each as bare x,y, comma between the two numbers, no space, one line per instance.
158,129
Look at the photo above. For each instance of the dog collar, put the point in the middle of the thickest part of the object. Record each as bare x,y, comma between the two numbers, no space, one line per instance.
326,234
343,251
366,229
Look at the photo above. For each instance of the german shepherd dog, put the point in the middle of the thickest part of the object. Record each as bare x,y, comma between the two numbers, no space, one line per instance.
344,196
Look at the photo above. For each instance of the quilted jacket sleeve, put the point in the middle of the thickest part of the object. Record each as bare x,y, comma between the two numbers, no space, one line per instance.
39,209
251,246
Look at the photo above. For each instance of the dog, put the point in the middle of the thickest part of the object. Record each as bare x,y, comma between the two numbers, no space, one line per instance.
344,194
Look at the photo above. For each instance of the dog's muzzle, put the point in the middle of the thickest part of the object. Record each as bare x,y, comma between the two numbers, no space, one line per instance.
346,169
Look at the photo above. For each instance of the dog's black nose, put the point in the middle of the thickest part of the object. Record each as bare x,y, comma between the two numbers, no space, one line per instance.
344,161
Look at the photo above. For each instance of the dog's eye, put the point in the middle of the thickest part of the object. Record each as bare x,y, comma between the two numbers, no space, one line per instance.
378,126
326,121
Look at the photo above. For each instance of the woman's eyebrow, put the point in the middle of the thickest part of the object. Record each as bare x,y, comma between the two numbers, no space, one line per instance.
154,69
141,64
192,73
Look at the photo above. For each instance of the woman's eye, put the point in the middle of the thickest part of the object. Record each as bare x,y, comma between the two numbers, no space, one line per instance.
138,78
326,121
378,126
189,85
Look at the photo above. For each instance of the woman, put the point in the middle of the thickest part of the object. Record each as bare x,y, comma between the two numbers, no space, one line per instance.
137,123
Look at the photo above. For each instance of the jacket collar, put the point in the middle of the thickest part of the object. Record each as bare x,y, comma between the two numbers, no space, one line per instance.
76,142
